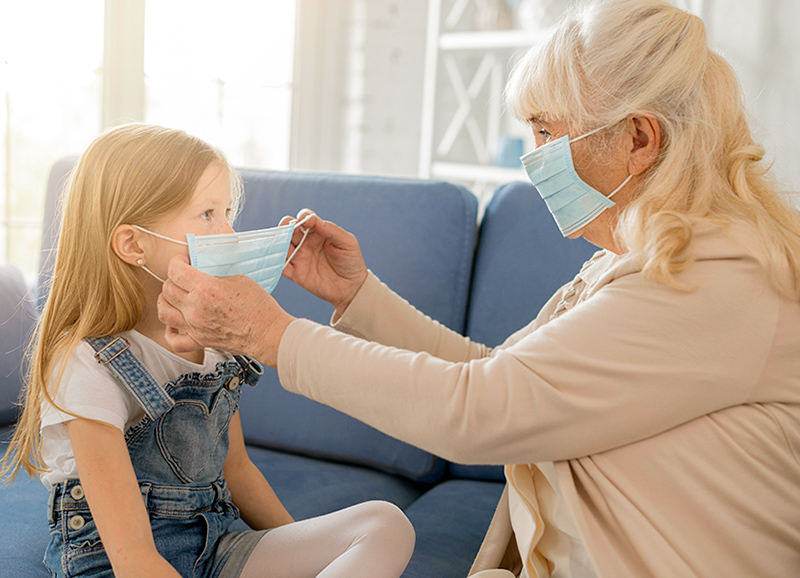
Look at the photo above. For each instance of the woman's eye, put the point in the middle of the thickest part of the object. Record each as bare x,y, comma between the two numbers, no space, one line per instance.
228,214
206,215
546,135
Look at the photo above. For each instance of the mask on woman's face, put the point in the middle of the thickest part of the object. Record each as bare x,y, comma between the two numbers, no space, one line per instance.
260,254
572,202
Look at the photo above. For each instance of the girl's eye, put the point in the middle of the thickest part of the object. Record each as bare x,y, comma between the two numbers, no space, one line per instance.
544,134
228,214
206,215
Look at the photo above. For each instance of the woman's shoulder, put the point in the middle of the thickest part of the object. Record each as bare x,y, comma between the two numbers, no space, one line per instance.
712,251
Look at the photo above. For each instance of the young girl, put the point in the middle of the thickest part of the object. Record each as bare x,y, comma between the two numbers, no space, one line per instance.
141,447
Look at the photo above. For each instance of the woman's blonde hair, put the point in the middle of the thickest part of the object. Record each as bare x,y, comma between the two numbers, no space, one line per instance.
134,174
610,59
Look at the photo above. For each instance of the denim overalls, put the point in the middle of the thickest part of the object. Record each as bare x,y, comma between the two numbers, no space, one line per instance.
177,450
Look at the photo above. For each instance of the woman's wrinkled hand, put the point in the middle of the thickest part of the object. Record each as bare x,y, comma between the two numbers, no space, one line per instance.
233,314
329,263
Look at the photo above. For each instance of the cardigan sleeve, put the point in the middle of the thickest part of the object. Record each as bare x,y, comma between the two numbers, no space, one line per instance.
378,314
633,360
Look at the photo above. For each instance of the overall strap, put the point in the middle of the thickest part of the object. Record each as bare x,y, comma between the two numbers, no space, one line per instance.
115,354
252,370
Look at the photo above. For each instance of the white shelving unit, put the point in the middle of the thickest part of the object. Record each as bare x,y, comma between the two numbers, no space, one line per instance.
462,117
465,74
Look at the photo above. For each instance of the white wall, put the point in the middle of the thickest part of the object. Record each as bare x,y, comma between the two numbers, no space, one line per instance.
384,94
385,51
760,40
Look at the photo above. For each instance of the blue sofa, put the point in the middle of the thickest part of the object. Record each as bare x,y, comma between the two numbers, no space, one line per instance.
422,238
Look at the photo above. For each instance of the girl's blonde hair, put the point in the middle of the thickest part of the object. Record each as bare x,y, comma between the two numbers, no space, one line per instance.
133,174
610,59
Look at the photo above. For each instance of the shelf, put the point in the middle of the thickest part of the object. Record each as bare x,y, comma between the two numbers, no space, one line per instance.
477,173
493,39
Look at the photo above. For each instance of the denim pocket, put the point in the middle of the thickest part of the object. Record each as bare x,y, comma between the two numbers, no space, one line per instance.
84,554
193,439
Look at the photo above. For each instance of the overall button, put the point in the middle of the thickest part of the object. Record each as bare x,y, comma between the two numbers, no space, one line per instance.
77,522
233,382
76,493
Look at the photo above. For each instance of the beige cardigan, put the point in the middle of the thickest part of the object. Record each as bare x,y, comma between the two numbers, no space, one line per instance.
673,417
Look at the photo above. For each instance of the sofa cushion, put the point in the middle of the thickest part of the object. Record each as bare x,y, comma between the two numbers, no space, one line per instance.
17,318
24,503
22,550
450,521
521,260
418,237
310,487
488,473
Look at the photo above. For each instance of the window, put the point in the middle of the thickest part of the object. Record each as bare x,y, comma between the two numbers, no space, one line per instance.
223,73
220,71
51,85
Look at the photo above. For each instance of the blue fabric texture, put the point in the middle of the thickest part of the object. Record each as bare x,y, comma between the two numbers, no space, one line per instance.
310,487
521,261
418,237
450,521
23,541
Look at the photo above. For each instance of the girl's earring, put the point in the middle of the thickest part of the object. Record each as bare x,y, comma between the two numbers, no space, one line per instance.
140,263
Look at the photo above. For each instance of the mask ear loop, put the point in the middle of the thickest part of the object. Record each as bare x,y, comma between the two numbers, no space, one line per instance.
625,182
300,244
142,265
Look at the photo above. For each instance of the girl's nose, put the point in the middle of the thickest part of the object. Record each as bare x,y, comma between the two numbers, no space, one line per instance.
225,228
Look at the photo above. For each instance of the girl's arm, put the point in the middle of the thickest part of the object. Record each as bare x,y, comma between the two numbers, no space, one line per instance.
259,506
112,492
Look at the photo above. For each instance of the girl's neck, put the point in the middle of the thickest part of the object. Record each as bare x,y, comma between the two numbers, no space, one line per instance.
150,326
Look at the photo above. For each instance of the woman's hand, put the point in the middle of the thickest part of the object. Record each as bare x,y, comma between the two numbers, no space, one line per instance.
230,313
329,264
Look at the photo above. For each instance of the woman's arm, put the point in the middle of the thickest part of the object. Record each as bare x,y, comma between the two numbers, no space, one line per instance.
259,506
112,492
633,361
379,314
235,314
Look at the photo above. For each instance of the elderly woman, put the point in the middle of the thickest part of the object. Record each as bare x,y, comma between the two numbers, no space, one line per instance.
650,414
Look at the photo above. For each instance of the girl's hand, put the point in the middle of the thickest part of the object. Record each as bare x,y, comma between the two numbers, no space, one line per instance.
329,264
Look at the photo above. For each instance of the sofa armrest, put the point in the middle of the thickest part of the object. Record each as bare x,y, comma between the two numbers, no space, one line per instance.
17,318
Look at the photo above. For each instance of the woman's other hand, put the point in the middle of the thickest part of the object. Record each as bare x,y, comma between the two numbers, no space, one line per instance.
233,314
329,263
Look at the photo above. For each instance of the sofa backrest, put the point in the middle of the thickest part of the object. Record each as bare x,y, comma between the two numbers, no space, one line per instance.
56,183
520,261
418,237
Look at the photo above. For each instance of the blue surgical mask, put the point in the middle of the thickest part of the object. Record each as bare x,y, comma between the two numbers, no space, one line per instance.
261,254
572,202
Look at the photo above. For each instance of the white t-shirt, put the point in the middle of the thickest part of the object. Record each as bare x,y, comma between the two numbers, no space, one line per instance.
89,389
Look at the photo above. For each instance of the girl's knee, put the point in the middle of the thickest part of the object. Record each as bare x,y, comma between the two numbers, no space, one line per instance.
386,522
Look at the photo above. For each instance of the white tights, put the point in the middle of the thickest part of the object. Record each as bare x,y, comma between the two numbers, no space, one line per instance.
369,540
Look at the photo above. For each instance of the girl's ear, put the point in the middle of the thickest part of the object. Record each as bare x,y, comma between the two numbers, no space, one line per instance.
125,242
